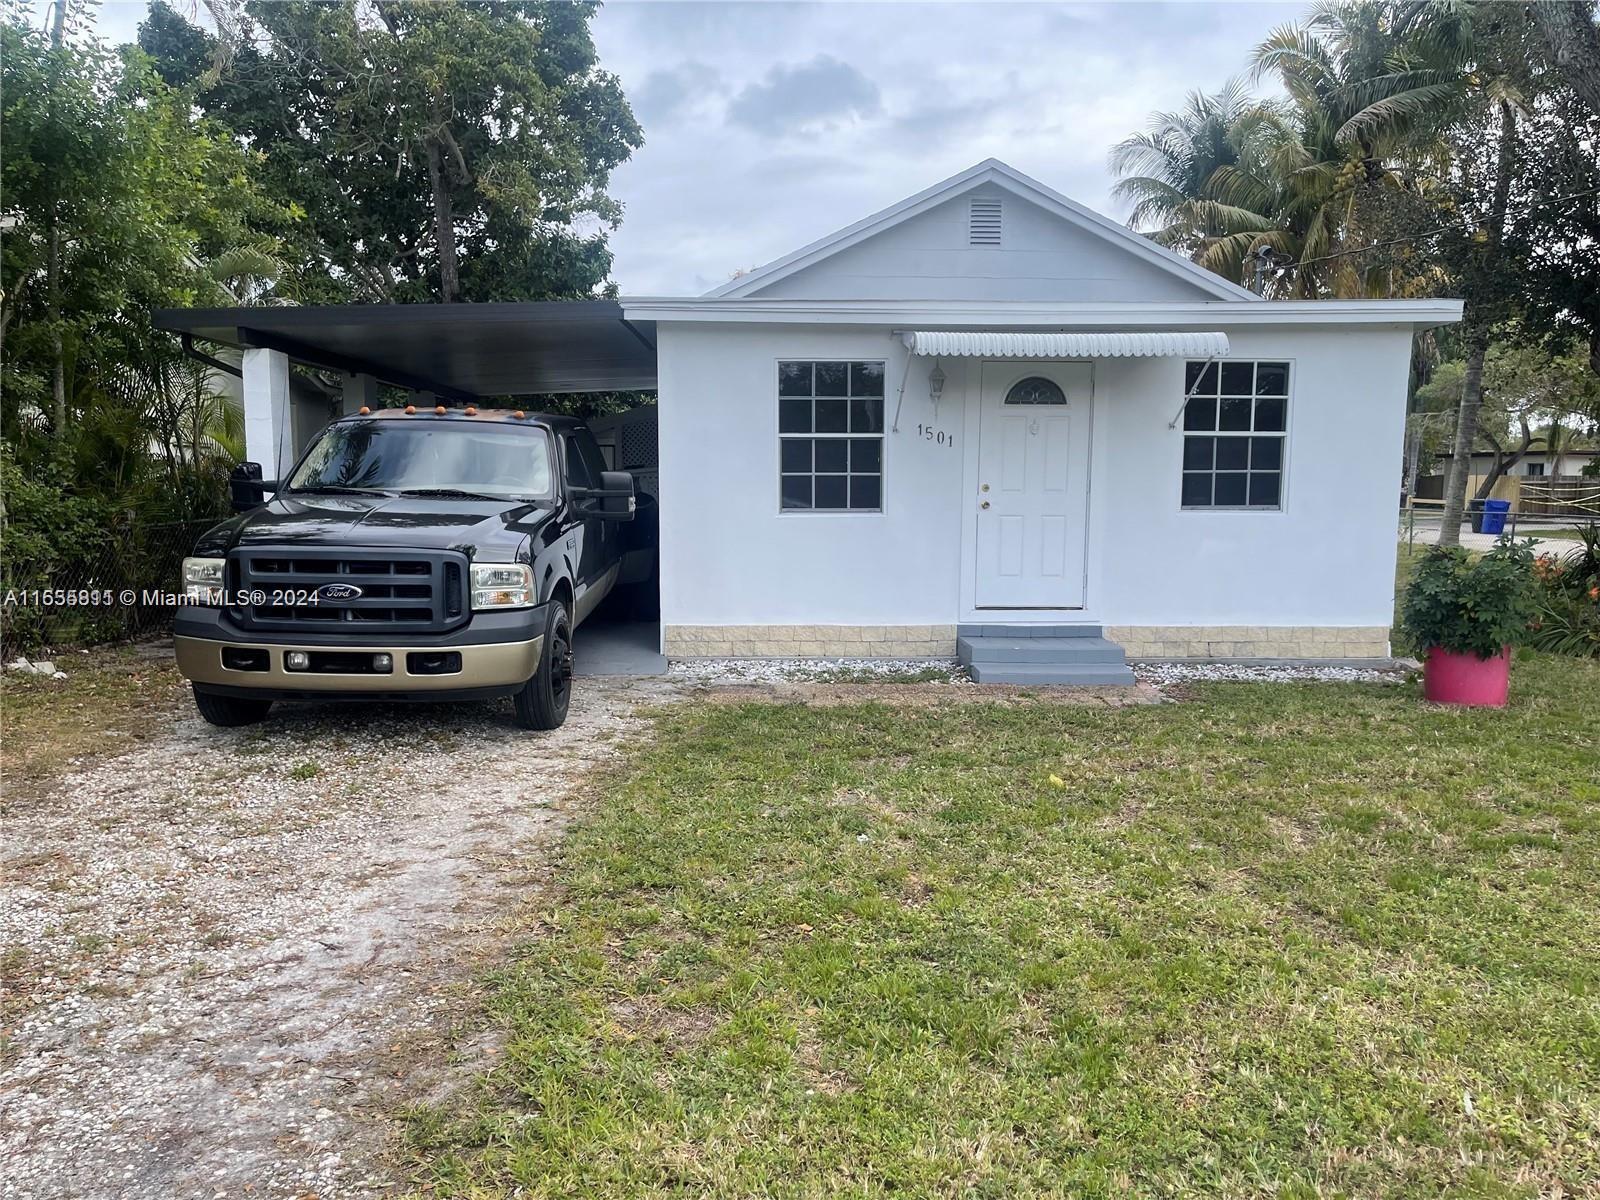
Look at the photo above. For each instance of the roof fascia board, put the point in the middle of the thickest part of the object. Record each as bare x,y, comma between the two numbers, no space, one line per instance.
1013,181
1418,313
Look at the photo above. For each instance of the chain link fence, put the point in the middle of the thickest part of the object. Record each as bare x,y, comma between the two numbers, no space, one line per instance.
119,589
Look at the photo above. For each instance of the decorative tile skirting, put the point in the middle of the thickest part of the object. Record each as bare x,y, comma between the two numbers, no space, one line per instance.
939,641
1251,641
810,641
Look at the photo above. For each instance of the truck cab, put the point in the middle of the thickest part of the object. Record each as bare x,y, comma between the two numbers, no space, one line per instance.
411,554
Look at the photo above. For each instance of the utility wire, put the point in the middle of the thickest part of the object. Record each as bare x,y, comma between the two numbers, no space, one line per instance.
1417,237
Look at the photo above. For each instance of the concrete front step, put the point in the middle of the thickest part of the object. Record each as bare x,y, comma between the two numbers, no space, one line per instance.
1028,631
1060,655
1054,674
1038,650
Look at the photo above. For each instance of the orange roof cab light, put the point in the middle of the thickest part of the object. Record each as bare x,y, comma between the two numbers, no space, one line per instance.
365,411
471,411
519,414
410,408
439,410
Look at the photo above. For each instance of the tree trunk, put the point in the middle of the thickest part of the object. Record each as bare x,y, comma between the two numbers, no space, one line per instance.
1413,457
1573,40
1477,340
1455,481
444,225
1503,462
58,362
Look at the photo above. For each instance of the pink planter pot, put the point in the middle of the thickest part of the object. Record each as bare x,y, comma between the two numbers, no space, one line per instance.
1450,678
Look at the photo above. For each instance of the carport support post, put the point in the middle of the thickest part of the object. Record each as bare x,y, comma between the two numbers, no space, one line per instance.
268,432
356,392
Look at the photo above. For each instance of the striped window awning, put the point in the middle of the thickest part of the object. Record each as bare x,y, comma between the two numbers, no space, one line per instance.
1137,344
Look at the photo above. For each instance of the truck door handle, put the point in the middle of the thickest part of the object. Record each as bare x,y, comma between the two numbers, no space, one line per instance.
985,504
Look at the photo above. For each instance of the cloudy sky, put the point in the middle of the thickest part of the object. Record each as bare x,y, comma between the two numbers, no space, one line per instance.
768,125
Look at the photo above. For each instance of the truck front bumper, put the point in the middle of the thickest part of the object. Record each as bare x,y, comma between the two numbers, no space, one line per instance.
488,658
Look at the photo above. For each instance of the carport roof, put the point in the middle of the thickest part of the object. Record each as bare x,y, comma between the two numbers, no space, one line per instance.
460,351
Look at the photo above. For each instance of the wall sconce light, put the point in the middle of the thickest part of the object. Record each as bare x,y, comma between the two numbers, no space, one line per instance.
935,383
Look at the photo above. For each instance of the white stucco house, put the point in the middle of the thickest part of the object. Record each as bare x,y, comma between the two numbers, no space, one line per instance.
985,413
989,406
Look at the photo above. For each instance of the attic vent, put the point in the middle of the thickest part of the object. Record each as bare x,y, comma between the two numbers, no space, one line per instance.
983,223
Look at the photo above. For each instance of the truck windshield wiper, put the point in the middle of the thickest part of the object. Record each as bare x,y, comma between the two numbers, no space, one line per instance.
333,489
456,493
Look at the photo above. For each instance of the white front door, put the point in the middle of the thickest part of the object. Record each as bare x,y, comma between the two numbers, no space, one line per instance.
1033,483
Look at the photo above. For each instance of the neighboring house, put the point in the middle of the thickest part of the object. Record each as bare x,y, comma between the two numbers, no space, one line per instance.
984,411
1535,463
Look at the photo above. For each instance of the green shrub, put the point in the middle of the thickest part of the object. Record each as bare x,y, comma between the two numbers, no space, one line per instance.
1472,605
1567,624
1568,618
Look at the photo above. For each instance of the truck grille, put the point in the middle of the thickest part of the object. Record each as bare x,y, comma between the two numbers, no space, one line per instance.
415,591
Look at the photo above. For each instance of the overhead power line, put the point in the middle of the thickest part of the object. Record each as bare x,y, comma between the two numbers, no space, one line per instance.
1426,233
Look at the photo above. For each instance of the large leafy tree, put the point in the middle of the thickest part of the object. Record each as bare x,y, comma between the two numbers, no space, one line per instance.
1534,401
117,200
1555,240
1572,41
440,150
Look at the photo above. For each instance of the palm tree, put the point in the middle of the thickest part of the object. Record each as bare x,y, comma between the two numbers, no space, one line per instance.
1372,87
1167,169
1229,174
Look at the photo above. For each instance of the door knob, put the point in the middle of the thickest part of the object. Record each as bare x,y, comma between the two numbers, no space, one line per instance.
985,504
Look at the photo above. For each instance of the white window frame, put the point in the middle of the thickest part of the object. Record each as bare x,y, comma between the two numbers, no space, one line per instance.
1216,433
846,436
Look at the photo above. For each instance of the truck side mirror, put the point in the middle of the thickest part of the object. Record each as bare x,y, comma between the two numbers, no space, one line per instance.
613,500
246,488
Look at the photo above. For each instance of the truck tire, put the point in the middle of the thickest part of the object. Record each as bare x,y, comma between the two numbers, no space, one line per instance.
542,702
230,712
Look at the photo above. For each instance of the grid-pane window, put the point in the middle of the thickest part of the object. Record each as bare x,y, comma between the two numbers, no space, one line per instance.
830,436
1233,434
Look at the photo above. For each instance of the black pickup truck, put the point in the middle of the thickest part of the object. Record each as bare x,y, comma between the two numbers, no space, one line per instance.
411,554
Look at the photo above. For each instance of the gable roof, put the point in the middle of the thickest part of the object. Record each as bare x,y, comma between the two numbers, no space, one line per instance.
993,171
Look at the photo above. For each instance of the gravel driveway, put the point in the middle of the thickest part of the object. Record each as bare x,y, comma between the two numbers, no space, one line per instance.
223,944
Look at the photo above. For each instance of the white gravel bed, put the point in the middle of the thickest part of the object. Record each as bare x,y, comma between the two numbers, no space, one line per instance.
713,671
1160,673
217,941
721,671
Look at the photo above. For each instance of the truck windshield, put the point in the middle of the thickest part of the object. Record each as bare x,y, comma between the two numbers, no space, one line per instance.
498,462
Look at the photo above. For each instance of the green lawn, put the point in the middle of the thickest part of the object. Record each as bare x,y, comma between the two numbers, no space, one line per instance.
1567,534
1288,940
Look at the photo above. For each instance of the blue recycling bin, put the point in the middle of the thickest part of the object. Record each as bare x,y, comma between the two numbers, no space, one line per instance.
1494,516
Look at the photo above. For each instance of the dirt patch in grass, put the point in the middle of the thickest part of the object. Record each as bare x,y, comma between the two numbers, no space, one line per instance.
930,695
111,701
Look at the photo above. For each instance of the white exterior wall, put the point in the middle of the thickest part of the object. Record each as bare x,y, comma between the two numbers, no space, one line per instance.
730,557
1326,558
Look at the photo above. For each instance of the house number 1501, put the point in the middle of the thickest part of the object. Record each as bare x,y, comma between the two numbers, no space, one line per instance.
937,436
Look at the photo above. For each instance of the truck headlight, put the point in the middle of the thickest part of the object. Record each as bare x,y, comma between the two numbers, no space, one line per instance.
202,580
502,585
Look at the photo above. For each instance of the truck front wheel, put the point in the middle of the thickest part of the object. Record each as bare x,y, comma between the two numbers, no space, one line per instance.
542,702
230,711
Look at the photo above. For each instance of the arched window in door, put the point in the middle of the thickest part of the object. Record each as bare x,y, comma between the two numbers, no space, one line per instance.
1036,389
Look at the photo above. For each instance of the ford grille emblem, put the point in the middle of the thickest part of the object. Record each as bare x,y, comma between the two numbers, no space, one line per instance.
338,593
